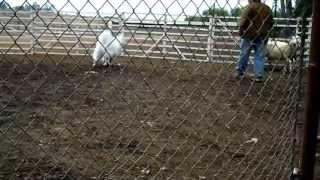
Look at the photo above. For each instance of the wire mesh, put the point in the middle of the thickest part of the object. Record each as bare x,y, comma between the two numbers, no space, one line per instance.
166,108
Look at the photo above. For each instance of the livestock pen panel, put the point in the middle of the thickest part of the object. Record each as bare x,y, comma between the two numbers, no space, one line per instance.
167,108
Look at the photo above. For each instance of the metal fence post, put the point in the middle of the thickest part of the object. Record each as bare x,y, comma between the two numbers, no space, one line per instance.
164,42
32,17
312,112
210,37
301,31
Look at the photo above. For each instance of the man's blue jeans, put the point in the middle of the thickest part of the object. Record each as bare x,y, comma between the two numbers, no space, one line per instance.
258,45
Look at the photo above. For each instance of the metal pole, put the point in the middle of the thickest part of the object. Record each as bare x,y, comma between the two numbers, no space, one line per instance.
32,28
301,32
312,112
164,42
209,39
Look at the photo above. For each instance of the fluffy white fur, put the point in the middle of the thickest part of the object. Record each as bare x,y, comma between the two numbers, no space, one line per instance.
283,50
108,47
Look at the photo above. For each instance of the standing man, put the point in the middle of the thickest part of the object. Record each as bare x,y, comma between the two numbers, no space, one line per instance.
255,23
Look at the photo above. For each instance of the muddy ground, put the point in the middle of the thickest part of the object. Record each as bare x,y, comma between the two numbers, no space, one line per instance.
143,119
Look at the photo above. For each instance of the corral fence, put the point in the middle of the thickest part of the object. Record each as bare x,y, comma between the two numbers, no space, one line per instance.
169,107
216,40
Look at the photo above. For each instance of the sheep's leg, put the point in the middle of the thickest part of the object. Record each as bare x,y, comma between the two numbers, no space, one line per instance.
290,60
291,65
294,63
94,63
109,62
288,68
106,61
116,64
106,64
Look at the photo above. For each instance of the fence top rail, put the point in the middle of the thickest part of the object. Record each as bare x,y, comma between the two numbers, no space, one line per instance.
237,18
173,20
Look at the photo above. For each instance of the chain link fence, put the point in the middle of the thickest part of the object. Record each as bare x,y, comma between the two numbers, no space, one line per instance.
166,108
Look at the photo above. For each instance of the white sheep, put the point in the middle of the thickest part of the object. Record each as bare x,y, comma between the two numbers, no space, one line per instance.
283,50
108,47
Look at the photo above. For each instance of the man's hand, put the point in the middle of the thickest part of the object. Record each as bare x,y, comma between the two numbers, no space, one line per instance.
240,32
266,41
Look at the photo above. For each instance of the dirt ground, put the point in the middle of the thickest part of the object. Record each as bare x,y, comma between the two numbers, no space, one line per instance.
141,119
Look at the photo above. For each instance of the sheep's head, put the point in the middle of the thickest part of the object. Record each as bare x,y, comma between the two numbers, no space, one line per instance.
293,44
